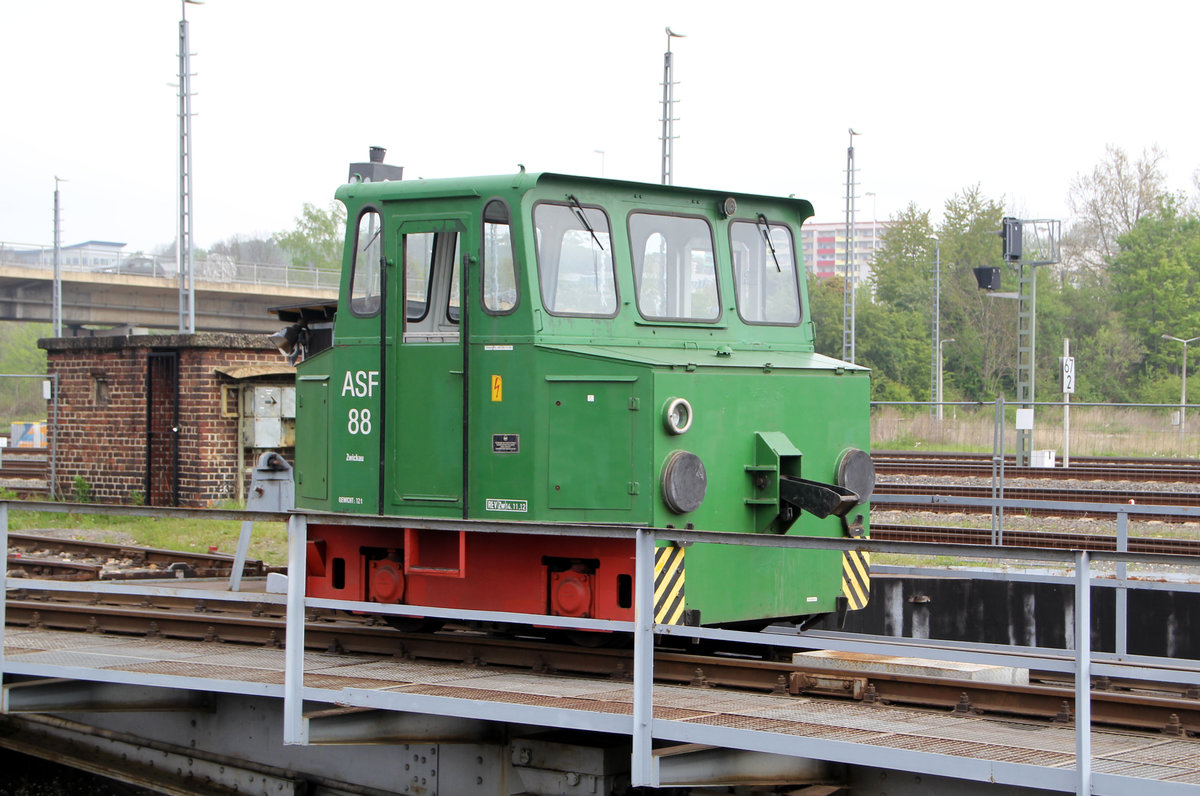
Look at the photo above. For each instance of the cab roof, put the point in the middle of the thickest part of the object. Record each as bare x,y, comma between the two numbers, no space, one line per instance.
523,181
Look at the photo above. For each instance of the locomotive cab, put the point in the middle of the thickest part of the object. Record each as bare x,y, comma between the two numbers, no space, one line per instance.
567,350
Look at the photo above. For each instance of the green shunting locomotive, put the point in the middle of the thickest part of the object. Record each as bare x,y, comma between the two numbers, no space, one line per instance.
559,349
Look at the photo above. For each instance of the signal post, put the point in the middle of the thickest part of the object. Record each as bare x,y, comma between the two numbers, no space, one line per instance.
1027,243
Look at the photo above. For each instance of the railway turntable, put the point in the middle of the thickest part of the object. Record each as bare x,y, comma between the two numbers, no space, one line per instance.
188,687
193,716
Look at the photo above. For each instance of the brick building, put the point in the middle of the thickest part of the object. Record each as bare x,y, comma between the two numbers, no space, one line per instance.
164,419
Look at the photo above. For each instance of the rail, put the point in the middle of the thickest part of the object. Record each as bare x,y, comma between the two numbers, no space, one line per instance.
960,464
1080,663
211,268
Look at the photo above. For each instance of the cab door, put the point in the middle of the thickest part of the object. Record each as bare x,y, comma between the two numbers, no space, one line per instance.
423,451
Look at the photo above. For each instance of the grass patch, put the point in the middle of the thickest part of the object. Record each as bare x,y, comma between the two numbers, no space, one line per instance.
1095,430
268,541
906,560
1014,522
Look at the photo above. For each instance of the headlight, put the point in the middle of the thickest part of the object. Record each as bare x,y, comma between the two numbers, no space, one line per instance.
677,415
684,482
856,472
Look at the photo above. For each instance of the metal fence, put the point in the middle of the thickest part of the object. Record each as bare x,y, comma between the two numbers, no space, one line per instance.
31,390
212,267
1059,430
1080,662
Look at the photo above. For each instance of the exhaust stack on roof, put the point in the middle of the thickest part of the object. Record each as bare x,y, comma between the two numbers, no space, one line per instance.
375,170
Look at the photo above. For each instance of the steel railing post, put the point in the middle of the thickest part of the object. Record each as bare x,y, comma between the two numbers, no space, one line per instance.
998,473
239,558
1083,673
644,772
1121,645
293,676
3,580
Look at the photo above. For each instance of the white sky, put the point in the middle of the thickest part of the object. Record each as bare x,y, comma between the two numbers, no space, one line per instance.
1018,97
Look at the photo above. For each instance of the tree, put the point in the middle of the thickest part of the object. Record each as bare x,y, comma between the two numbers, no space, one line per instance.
316,241
982,360
1108,203
19,352
21,399
902,274
892,312
825,311
899,361
1109,357
249,249
894,343
1147,240
1155,277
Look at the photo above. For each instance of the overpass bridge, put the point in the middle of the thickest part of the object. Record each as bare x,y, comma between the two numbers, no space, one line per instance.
105,290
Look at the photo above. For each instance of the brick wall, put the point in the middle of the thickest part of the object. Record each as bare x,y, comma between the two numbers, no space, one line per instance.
102,414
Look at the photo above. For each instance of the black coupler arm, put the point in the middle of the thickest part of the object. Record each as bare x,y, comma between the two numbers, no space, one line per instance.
816,498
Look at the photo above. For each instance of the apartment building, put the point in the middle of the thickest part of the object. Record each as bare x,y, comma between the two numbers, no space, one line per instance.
824,247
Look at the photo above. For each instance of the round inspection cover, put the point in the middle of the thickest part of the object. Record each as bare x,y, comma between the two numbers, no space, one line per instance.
856,472
571,594
684,482
387,581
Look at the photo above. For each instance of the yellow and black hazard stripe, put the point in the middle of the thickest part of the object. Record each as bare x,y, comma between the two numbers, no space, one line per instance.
856,578
668,585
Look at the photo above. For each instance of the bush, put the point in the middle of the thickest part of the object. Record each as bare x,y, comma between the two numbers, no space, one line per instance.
83,490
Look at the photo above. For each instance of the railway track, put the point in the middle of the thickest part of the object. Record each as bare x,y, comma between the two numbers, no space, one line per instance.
1054,494
1122,704
1083,468
38,555
25,471
31,466
1054,540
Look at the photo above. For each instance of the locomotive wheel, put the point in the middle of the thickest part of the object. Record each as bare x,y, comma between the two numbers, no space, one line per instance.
414,624
592,639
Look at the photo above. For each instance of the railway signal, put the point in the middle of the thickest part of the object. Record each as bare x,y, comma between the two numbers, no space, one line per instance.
1044,238
1010,234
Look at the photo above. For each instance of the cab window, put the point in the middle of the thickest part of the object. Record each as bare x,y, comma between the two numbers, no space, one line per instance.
428,257
674,270
453,303
431,290
418,273
499,265
365,277
575,264
764,272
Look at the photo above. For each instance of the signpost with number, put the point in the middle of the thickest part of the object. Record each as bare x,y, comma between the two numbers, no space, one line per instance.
1068,387
1068,373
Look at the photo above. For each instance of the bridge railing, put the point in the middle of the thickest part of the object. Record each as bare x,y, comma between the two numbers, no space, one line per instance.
211,268
1079,660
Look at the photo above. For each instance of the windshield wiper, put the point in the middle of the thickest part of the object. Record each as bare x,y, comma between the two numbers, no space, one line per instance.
765,228
378,232
578,209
